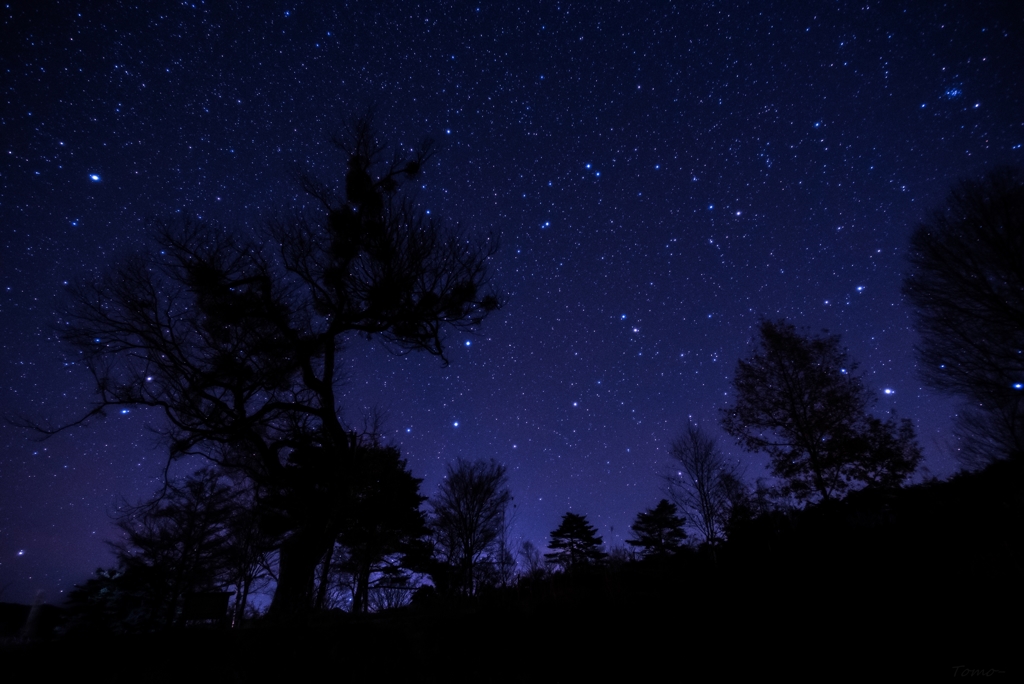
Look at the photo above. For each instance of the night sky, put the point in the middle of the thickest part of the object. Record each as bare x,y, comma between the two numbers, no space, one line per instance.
661,176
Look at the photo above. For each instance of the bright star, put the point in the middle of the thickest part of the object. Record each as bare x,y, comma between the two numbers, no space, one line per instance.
94,177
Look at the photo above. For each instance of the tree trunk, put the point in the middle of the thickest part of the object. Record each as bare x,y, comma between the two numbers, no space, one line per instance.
299,556
242,598
325,577
361,600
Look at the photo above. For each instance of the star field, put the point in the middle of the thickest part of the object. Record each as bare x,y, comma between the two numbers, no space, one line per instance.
660,175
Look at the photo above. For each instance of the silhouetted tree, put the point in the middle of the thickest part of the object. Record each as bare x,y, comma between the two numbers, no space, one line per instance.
241,348
698,485
504,556
966,283
382,520
618,556
393,588
740,504
799,399
109,602
467,517
532,560
177,544
249,550
658,532
574,544
197,535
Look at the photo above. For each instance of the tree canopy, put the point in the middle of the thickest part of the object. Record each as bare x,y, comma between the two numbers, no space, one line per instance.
799,399
240,341
467,517
658,531
194,536
383,521
574,544
966,282
698,486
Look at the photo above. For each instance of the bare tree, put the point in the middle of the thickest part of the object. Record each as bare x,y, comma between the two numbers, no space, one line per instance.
468,513
697,486
504,557
532,560
966,282
250,547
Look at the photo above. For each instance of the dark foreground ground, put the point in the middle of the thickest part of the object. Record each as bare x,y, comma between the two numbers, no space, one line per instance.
916,585
824,633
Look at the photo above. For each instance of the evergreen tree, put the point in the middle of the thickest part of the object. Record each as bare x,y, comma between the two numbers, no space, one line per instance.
658,531
383,520
575,544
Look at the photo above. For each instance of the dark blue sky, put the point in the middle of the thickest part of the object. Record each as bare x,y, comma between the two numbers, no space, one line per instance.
661,175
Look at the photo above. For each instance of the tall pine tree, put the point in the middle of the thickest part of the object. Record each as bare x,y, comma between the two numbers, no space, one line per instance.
575,544
658,531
